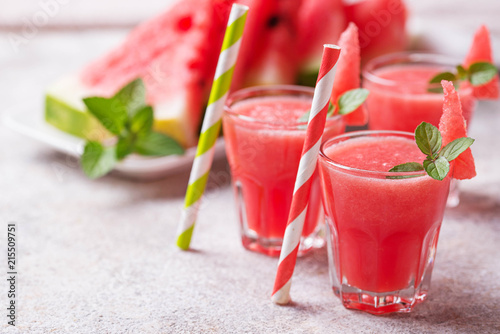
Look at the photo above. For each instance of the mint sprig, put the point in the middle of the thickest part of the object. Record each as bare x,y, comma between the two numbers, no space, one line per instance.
348,102
437,161
130,119
477,74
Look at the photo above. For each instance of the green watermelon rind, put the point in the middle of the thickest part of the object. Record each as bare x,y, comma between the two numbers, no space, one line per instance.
79,123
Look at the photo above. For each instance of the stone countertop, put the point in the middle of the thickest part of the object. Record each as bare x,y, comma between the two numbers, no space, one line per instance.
99,256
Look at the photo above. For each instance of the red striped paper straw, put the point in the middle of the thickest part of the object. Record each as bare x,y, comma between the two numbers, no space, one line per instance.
307,166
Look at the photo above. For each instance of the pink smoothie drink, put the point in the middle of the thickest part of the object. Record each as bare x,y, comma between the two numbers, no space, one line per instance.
383,230
264,142
399,91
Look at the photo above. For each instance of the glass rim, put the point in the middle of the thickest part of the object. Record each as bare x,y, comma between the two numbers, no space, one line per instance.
270,90
360,171
407,57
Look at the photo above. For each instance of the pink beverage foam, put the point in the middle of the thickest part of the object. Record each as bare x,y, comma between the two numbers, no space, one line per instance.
377,154
264,146
406,103
385,230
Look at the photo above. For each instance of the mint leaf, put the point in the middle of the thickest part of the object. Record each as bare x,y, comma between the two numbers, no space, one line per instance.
462,72
407,167
97,160
142,121
125,146
130,119
443,76
428,139
157,144
478,74
437,162
437,80
132,96
351,100
455,148
111,113
305,116
437,169
481,73
331,110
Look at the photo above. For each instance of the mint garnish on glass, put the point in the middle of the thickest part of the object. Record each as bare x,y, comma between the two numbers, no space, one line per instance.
347,103
477,74
437,162
127,116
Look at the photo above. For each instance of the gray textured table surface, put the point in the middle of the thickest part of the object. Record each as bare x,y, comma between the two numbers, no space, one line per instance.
99,256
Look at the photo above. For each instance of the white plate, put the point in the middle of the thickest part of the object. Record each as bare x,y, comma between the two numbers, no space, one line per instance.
32,125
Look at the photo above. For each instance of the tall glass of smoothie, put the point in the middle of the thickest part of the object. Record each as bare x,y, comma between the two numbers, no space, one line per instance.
264,139
401,96
383,226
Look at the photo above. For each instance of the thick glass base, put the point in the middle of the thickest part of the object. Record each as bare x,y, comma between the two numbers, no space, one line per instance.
401,301
404,300
272,247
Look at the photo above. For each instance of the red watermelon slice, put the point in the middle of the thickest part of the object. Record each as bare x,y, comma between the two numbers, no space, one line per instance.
175,54
268,53
347,73
381,23
480,51
452,126
320,22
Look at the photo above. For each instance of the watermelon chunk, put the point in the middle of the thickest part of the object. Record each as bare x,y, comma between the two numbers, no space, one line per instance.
452,126
174,53
268,52
347,74
480,51
319,22
381,23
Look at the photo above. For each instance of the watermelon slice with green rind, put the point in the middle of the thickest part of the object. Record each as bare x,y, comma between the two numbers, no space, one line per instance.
480,51
347,75
175,54
452,126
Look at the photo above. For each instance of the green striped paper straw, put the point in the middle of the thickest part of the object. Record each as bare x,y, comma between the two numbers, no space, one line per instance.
211,123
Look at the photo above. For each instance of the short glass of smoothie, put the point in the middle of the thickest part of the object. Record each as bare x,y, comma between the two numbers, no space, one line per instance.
264,139
383,227
401,96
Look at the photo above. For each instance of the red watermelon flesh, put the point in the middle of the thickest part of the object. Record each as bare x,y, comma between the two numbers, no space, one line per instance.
480,51
187,35
381,23
268,53
452,126
319,22
347,73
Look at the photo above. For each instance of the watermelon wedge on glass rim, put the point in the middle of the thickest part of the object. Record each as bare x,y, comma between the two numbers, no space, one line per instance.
170,53
480,51
452,126
347,74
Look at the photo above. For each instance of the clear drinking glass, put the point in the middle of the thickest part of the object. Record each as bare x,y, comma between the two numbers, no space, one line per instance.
383,228
264,140
401,96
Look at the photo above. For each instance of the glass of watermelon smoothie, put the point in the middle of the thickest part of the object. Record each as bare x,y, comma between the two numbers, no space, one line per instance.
382,226
264,140
401,96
